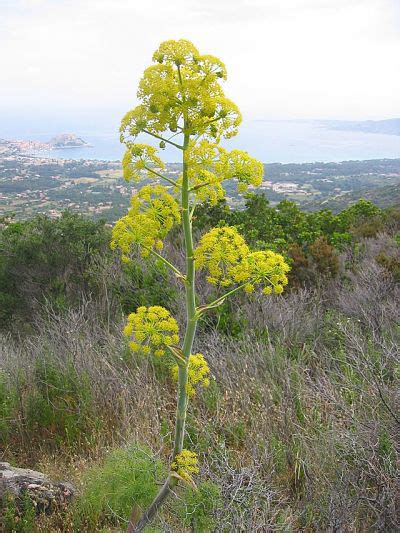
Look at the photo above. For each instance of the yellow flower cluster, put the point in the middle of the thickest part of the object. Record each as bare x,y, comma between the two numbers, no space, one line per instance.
137,159
182,83
175,52
228,260
139,230
185,464
207,187
198,372
203,160
268,269
156,202
151,329
152,215
239,165
223,252
209,165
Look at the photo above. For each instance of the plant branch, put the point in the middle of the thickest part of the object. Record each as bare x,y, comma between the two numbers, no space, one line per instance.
181,82
178,355
163,139
200,185
220,300
193,208
213,120
166,262
172,182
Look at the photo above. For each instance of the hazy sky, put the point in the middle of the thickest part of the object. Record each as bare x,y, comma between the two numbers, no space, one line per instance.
285,58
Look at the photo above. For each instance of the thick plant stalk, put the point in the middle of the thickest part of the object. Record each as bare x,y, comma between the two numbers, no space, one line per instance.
190,309
181,95
191,323
149,514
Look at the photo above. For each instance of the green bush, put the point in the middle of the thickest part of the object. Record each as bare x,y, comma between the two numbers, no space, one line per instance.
43,258
127,477
199,509
225,320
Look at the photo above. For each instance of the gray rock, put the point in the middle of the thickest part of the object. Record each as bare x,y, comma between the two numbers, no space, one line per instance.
46,495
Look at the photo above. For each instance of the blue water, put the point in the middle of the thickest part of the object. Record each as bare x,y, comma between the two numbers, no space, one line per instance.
268,140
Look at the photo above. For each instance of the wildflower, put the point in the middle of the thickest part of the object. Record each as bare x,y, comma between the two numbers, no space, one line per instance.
177,52
268,269
152,215
139,230
198,372
209,165
158,205
240,165
207,186
182,82
153,329
223,251
133,123
137,159
185,464
226,256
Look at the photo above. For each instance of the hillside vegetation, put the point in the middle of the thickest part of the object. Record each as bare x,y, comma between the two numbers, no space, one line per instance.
298,429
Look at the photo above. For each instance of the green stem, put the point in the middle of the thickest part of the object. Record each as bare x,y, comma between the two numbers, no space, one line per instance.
191,316
149,514
191,323
172,182
219,300
166,262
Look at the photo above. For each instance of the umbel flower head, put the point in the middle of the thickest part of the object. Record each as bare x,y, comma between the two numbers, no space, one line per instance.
185,464
223,252
182,82
198,372
152,215
239,165
268,270
228,260
140,159
139,230
155,202
209,165
151,329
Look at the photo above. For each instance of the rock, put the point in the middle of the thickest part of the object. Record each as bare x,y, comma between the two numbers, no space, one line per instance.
46,495
67,140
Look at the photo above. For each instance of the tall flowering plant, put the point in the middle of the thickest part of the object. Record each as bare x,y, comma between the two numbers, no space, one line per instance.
182,104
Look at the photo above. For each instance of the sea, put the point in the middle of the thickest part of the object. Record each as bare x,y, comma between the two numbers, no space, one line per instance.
271,141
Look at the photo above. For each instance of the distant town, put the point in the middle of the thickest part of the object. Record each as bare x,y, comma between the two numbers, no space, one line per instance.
33,184
28,147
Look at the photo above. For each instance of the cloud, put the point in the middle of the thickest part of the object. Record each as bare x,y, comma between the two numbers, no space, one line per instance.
299,58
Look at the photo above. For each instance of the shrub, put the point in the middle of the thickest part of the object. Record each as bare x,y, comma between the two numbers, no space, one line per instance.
199,510
325,257
45,258
142,285
126,478
389,263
